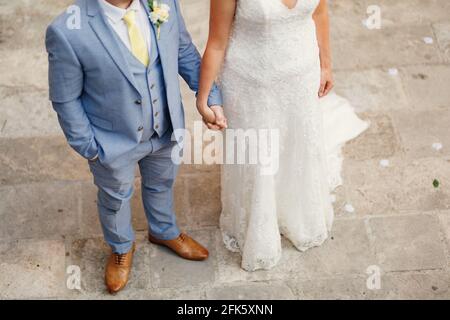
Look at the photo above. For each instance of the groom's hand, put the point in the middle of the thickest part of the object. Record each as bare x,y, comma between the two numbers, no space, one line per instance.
206,113
213,116
221,120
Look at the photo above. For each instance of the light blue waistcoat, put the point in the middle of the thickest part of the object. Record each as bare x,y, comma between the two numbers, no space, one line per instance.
150,80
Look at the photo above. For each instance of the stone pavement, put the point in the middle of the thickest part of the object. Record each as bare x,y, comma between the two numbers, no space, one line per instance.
396,77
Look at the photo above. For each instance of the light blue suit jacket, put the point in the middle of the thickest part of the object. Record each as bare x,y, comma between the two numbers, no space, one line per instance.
94,92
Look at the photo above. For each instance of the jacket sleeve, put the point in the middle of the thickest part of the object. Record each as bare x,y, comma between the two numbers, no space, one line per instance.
189,61
66,85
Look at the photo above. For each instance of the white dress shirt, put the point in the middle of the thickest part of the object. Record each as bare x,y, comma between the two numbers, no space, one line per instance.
115,18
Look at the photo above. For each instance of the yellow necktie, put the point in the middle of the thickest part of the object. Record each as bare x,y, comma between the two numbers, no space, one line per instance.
138,44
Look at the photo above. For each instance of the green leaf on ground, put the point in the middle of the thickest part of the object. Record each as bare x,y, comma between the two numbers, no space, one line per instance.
436,183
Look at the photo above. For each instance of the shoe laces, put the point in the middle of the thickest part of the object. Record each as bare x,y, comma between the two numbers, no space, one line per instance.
120,259
182,237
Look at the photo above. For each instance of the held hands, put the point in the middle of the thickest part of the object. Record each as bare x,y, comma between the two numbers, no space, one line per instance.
326,82
213,116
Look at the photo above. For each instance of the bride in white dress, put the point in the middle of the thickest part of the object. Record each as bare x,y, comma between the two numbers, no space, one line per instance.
273,61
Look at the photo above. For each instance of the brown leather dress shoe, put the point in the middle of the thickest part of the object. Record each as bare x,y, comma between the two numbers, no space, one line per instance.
184,246
118,270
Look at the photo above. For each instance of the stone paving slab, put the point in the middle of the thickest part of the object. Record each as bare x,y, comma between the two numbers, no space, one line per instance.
32,269
39,211
340,202
202,205
371,89
442,31
444,218
427,86
411,242
375,48
424,133
425,285
379,141
411,12
26,113
25,160
25,27
404,185
340,288
251,291
153,294
346,17
24,7
23,61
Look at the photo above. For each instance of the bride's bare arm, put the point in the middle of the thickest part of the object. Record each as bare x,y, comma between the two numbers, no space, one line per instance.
221,21
322,22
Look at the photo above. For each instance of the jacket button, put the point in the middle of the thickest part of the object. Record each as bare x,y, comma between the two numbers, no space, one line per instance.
152,86
140,128
157,126
155,101
138,102
156,113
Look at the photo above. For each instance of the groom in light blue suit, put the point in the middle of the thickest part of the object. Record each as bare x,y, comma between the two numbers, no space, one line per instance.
119,110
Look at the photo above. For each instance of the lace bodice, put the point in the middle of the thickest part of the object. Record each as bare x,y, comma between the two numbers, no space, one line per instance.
267,13
268,35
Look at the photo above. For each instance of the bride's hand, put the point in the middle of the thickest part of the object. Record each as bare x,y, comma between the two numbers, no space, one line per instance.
326,82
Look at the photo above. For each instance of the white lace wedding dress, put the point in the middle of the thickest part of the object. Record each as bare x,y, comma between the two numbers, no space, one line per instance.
270,80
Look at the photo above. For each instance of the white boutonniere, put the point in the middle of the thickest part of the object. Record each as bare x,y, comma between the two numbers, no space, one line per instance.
159,14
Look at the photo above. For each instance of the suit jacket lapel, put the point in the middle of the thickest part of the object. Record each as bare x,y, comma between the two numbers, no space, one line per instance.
159,44
98,23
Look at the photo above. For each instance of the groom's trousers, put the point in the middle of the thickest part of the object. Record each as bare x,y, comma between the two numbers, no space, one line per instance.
116,186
